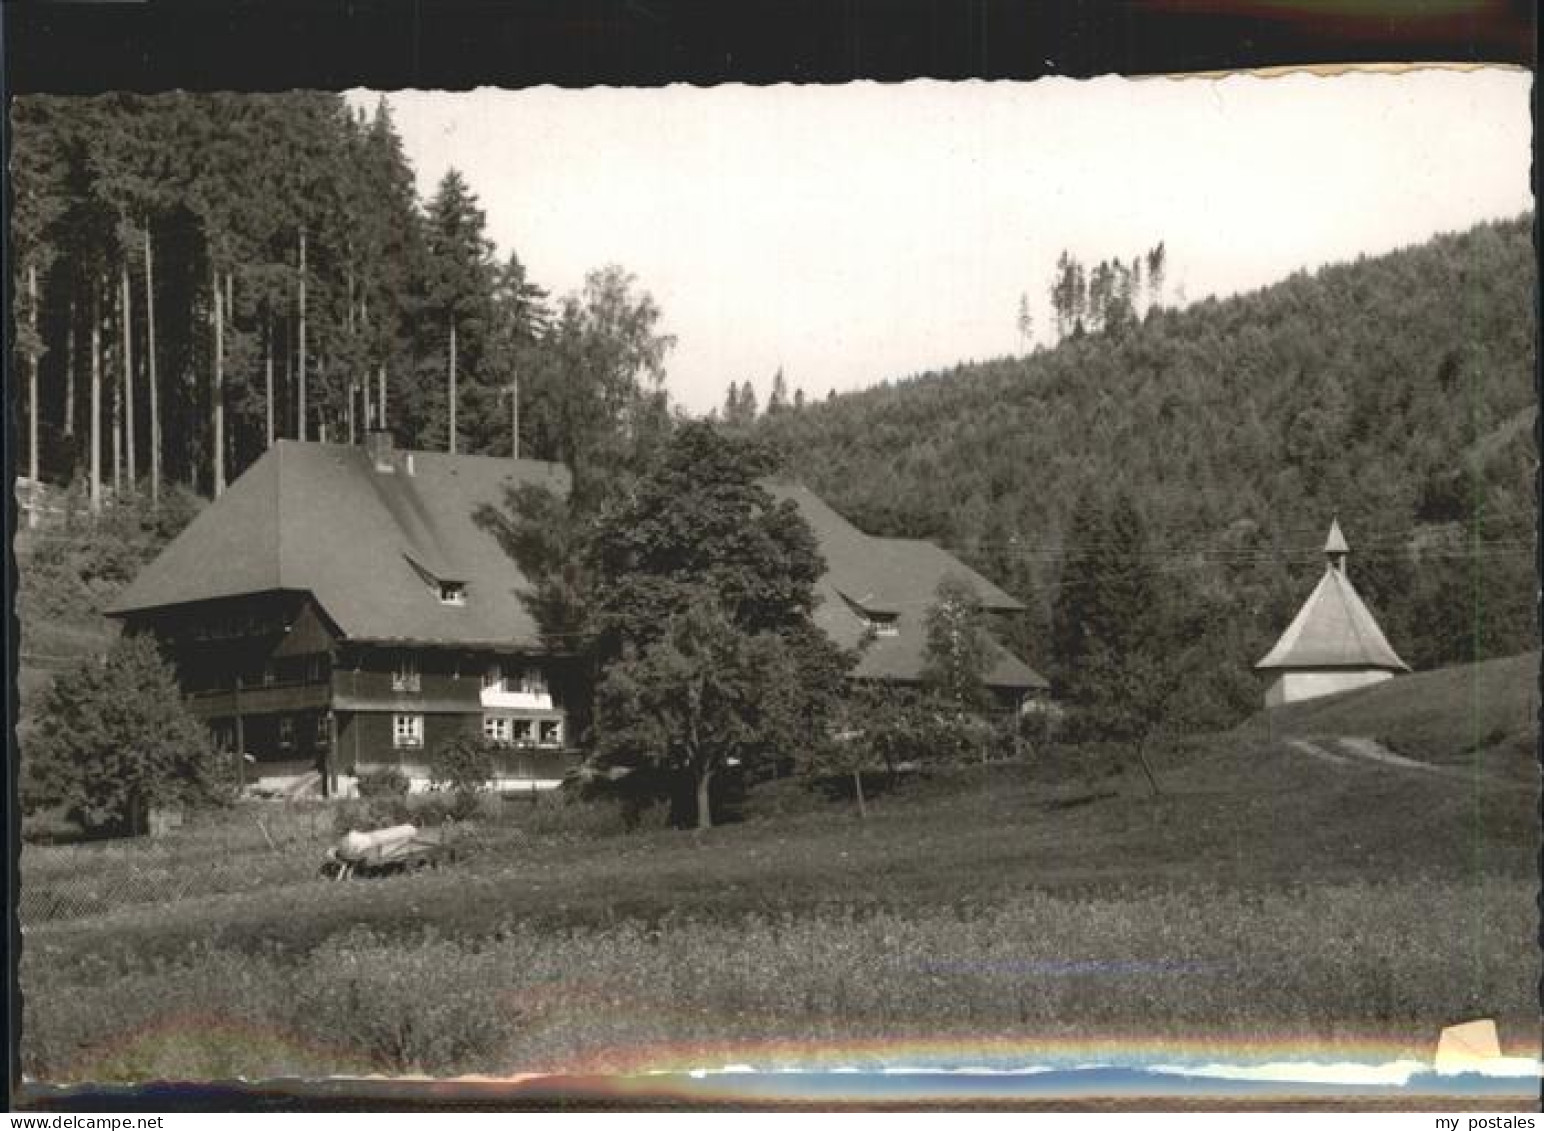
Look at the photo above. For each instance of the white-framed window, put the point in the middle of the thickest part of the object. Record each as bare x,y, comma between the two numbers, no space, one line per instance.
496,728
404,676
452,593
523,731
551,732
407,730
885,626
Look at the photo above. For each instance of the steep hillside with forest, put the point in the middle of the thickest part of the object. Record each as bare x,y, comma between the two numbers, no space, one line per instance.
1396,392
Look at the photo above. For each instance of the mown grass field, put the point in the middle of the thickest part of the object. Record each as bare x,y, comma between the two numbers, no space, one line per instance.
1263,894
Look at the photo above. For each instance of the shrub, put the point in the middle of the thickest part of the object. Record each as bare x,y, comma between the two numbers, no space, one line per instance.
463,767
114,739
383,784
922,732
561,814
463,764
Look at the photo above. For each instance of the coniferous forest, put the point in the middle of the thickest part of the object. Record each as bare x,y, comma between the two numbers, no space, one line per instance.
1395,392
199,275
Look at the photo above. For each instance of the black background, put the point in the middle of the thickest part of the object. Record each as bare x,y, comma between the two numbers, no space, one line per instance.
70,46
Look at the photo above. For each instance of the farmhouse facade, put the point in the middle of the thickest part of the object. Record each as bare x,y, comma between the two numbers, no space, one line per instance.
1334,643
343,610
340,610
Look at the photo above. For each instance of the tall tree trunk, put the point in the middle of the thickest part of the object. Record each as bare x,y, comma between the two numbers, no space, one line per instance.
289,378
96,401
381,406
704,800
300,356
452,386
117,420
128,373
217,395
514,417
268,381
152,387
857,786
32,394
353,395
364,391
69,370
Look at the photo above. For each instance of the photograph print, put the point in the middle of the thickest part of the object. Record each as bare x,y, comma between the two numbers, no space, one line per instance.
938,591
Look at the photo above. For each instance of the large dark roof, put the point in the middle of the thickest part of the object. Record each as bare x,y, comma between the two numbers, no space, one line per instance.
893,577
367,544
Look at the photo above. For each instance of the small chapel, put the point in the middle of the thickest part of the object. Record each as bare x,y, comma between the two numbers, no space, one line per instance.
1333,644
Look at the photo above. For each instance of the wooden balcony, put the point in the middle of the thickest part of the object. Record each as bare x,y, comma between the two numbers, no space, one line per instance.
259,700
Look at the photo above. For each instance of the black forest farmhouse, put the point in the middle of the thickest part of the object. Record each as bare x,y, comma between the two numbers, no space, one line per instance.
340,610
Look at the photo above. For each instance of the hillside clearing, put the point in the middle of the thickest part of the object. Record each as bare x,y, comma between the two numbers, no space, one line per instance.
999,872
1482,717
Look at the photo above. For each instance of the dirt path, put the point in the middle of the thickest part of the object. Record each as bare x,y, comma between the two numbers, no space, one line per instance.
1377,752
1314,750
1354,749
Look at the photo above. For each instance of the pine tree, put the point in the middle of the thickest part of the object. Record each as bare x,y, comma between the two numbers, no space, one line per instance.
1110,629
456,304
115,739
777,403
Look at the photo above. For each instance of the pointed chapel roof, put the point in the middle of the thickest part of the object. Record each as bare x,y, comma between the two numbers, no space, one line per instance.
1336,542
1334,628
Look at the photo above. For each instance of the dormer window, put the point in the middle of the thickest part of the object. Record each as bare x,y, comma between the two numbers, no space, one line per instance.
449,590
877,617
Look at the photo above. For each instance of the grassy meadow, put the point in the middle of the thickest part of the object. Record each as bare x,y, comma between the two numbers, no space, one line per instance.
1263,894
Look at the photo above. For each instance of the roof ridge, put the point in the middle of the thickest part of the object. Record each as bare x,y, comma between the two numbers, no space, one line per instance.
1360,612
1354,606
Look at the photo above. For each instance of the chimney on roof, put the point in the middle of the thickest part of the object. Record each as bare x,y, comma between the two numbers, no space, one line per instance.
378,443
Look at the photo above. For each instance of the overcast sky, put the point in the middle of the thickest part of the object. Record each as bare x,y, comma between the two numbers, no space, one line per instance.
854,233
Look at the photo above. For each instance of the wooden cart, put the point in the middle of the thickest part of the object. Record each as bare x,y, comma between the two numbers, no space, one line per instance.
384,854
